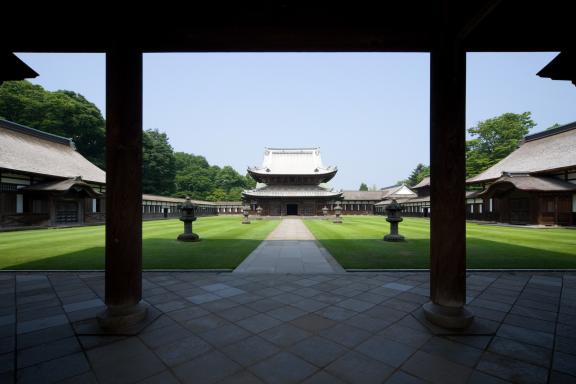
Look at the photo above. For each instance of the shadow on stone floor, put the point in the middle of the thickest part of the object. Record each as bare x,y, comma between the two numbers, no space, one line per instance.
343,328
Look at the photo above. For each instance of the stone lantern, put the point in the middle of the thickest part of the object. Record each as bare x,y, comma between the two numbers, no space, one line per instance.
245,212
259,213
338,212
325,212
188,216
393,211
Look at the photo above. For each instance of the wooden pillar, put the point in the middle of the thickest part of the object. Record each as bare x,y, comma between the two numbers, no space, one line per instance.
123,189
447,193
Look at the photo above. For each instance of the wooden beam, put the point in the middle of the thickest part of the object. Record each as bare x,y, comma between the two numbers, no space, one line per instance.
486,9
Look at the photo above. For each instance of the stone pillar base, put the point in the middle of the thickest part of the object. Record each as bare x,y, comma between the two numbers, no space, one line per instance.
448,317
394,238
188,237
118,320
119,317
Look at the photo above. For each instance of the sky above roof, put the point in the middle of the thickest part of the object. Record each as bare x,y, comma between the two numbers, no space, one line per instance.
368,112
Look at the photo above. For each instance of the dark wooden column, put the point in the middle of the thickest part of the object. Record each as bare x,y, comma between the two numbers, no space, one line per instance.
447,194
123,188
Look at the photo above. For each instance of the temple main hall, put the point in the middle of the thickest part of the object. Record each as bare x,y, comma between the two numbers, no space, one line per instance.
291,181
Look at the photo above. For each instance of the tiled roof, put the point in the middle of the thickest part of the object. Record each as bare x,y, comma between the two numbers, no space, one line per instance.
227,203
540,152
397,191
62,186
424,183
363,195
292,161
292,191
532,183
166,199
28,150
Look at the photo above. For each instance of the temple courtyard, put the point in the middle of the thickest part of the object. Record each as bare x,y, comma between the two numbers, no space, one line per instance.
290,328
354,244
285,301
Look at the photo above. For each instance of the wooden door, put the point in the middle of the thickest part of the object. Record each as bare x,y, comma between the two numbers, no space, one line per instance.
547,210
564,216
66,211
519,211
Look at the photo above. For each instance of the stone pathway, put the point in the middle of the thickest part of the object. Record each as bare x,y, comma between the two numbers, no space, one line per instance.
271,328
290,248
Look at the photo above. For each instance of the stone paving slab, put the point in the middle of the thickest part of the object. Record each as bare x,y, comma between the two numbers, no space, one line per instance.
290,248
295,328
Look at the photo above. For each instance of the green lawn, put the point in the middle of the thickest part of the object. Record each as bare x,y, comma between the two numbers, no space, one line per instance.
225,243
357,243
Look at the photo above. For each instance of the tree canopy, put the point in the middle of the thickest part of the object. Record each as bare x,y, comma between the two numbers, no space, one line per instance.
164,172
158,164
196,178
62,113
494,139
416,176
363,187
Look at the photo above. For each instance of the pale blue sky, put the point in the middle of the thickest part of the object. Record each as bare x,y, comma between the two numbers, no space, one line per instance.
368,112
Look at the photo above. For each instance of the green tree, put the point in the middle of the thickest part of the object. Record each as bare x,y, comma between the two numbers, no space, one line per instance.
185,160
363,187
217,194
158,163
164,172
194,182
62,113
555,125
234,194
494,139
249,182
195,177
227,178
417,175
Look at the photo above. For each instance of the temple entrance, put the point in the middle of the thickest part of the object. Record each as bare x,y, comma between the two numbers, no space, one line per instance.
292,209
66,212
519,211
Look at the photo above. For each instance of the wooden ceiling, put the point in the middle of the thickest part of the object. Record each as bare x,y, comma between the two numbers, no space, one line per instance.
395,26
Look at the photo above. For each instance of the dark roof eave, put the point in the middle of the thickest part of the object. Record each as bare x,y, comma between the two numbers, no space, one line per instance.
20,128
473,182
535,173
562,67
561,186
264,173
12,68
60,187
329,194
60,177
